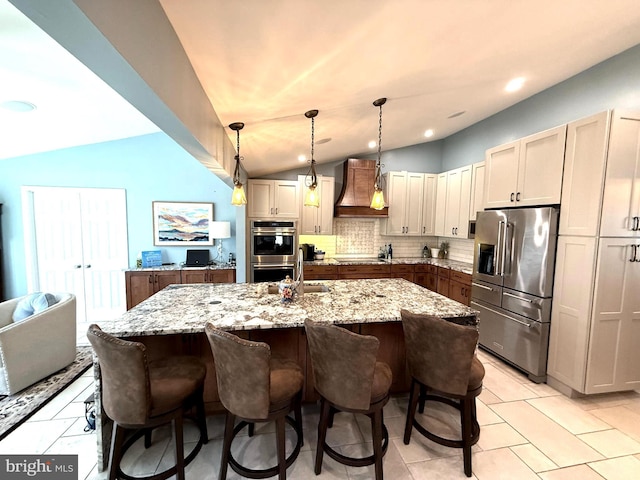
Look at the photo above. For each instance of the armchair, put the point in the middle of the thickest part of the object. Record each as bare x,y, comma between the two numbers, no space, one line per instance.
37,346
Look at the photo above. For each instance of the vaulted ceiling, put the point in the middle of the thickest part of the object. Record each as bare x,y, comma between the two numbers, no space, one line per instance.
265,63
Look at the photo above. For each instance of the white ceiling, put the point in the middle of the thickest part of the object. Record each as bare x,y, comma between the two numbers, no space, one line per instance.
267,62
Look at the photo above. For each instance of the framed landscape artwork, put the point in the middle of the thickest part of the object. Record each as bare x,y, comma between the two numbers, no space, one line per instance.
182,223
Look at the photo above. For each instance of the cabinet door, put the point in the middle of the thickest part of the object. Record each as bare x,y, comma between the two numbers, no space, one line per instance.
477,189
260,198
441,204
540,168
429,204
571,312
222,276
396,186
195,276
501,175
452,210
443,286
164,278
139,287
462,230
614,356
583,177
414,194
325,212
286,200
459,292
621,202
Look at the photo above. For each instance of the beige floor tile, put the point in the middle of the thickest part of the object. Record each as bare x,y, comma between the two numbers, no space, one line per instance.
395,426
555,442
622,468
534,458
392,464
34,437
488,397
421,449
578,472
302,468
499,435
611,443
622,418
564,412
500,464
505,387
450,468
82,445
542,389
486,416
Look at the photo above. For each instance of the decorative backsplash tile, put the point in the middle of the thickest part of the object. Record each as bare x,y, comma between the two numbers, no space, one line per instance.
355,237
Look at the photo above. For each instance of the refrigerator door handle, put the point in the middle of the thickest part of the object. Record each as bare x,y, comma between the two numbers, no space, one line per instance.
474,284
507,249
498,257
515,296
528,325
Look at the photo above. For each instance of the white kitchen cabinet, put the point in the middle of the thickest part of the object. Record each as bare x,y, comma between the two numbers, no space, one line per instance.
621,200
477,189
583,177
404,195
458,199
273,199
614,356
441,204
429,204
317,220
526,172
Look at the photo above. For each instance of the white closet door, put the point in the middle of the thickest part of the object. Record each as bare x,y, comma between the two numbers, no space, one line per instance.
78,244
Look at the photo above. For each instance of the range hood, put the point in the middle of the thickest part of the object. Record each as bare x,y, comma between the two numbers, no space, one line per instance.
357,191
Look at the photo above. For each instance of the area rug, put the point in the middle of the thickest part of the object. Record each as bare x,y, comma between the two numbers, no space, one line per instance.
15,409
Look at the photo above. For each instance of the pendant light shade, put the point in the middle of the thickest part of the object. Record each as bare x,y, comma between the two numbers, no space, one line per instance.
238,196
312,197
377,201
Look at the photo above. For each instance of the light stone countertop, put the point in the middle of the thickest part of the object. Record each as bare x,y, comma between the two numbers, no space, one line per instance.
444,263
175,266
245,306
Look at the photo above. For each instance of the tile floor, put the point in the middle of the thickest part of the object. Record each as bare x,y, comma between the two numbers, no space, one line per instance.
529,431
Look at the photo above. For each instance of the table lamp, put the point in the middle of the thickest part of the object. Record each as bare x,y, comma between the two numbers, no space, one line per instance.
220,230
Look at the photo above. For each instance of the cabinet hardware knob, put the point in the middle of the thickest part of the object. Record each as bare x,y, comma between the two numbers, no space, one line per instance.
151,278
636,224
634,250
511,197
87,266
77,266
518,197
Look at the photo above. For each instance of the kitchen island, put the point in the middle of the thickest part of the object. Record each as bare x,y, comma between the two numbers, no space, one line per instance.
172,322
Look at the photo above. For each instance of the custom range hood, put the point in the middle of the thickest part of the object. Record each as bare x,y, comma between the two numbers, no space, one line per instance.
357,191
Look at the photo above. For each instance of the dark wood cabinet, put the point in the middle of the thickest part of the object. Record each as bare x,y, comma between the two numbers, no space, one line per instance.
427,276
363,271
443,281
140,285
403,271
321,272
460,287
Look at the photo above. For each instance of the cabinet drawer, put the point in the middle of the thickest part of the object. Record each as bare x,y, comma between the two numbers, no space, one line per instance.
402,268
426,268
363,269
461,277
444,272
320,270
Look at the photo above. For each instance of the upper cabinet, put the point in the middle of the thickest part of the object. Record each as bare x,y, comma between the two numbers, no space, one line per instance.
477,189
526,172
583,177
453,198
317,220
621,201
404,195
429,204
273,199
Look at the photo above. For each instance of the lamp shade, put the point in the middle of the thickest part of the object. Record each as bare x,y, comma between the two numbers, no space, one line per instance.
220,230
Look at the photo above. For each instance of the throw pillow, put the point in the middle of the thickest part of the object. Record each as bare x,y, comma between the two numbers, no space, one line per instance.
34,303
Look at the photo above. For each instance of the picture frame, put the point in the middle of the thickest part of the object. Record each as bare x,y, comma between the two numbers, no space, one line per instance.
182,223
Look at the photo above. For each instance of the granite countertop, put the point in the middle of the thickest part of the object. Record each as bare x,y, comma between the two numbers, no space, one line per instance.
174,266
444,263
245,306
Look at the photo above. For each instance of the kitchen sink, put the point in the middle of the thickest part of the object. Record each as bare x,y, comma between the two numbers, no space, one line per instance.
308,288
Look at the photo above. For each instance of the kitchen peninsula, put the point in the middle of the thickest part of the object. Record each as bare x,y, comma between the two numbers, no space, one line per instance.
172,322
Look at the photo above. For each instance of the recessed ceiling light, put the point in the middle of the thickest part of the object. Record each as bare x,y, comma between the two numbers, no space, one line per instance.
428,133
515,84
302,158
457,114
372,144
17,106
323,140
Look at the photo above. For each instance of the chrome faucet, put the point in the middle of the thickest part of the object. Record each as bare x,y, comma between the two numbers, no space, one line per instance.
300,280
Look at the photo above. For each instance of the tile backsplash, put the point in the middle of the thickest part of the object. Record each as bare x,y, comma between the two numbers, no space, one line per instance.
360,237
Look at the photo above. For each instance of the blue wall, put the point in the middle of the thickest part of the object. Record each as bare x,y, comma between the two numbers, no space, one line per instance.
149,167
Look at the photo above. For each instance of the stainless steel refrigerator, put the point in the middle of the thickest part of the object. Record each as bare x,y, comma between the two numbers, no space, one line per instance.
513,266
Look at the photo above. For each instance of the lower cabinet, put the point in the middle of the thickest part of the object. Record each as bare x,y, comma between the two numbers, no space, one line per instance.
443,281
140,285
363,271
403,271
321,272
460,287
427,276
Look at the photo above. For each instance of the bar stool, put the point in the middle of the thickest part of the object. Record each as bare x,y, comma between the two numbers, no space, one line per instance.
349,379
444,368
139,395
254,387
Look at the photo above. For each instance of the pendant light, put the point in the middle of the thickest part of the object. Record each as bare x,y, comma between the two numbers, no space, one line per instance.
377,201
238,196
312,197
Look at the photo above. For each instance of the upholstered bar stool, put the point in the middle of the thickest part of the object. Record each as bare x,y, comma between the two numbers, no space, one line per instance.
254,387
444,368
349,379
139,395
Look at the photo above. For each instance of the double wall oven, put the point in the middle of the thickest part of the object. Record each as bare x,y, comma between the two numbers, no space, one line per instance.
273,249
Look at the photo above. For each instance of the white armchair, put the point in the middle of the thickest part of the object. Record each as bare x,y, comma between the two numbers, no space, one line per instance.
37,346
